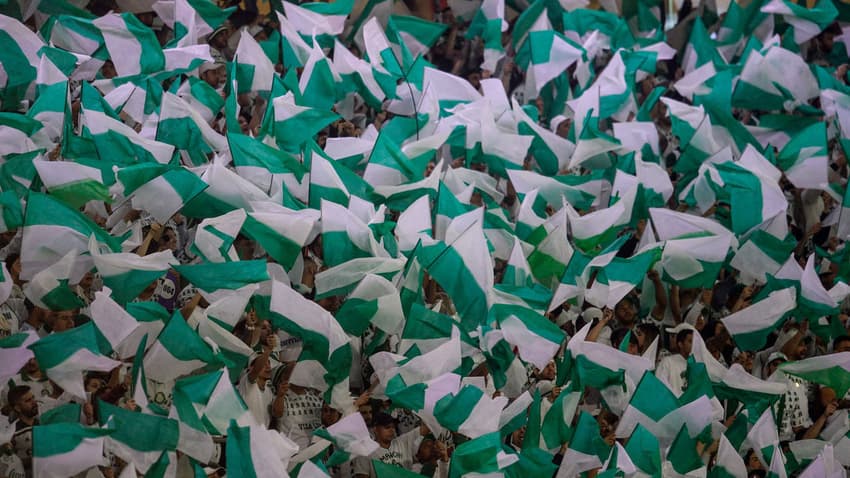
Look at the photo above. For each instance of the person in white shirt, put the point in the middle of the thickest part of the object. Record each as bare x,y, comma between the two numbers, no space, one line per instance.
253,386
398,451
672,369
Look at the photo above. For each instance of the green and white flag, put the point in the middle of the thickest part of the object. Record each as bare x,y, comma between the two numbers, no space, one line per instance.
264,165
358,75
201,97
281,231
751,326
295,124
694,129
183,127
191,20
229,307
74,183
212,276
234,352
51,230
587,449
553,253
214,237
669,224
114,140
326,357
49,288
616,279
65,356
15,353
52,88
166,194
317,18
138,438
318,81
18,134
113,322
657,409
553,190
535,337
414,224
450,90
470,412
350,438
227,191
212,400
462,266
19,60
342,279
831,371
807,22
351,238
728,462
66,449
379,51
805,158
254,71
694,261
133,47
484,454
178,351
256,451
296,51
763,437
389,166
413,35
127,273
11,212
776,79
375,301
550,55
489,23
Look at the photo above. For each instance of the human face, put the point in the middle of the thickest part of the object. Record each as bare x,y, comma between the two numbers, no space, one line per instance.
772,366
169,240
27,406
329,415
16,271
64,321
685,346
548,372
366,412
384,433
625,312
843,346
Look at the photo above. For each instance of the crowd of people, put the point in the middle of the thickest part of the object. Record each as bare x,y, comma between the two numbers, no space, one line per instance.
453,238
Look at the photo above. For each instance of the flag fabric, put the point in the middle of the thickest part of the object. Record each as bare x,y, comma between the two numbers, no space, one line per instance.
350,438
128,274
64,356
63,448
256,451
53,229
327,349
750,326
177,351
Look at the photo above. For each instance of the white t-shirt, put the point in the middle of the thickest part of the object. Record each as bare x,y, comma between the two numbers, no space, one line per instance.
256,400
11,466
401,452
302,414
671,370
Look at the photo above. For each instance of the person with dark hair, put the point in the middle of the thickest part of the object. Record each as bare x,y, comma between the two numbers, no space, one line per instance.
672,368
25,411
394,450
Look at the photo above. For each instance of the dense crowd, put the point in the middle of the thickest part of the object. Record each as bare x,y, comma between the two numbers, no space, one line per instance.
391,239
